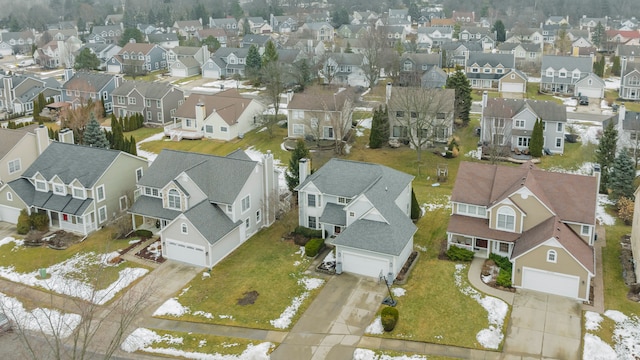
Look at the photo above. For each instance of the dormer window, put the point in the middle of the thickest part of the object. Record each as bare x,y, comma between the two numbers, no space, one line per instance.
550,73
486,70
173,200
59,189
41,185
562,74
78,192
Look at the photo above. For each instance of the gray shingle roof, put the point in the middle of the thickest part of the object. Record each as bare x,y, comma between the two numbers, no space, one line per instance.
10,137
334,214
48,200
149,90
570,63
152,207
508,108
81,79
481,58
210,221
71,162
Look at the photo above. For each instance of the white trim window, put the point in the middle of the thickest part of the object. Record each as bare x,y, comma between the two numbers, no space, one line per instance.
173,199
184,229
520,123
102,214
298,129
41,185
258,216
59,189
312,222
14,166
139,173
9,196
473,210
558,142
311,200
246,203
100,194
585,230
552,256
506,219
247,223
559,127
124,203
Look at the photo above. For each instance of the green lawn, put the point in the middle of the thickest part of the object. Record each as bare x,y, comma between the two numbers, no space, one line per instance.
266,264
143,133
532,93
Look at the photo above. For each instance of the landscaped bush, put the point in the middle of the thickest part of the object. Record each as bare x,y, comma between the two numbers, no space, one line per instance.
40,221
502,262
24,223
456,253
144,234
389,318
504,278
306,232
313,247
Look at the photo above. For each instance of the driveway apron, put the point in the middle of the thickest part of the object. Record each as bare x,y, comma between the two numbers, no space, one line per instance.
335,321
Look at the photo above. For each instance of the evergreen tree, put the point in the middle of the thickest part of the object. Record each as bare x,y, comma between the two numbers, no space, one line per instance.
415,207
598,35
537,139
385,131
498,28
347,49
93,134
462,106
253,63
615,66
132,146
374,135
623,172
270,53
606,154
302,73
292,175
86,60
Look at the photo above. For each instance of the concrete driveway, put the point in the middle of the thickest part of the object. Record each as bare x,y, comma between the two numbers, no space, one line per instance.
6,229
543,326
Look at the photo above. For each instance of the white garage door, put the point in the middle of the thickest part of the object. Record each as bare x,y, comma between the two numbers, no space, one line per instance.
9,214
179,72
113,68
550,282
189,253
590,92
211,74
364,265
512,87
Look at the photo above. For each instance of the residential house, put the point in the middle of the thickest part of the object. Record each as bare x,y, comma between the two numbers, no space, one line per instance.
205,205
107,34
434,78
164,40
617,37
629,52
398,14
450,23
630,79
222,116
433,36
113,19
414,65
283,24
464,18
345,69
457,53
508,123
411,108
138,58
18,92
320,31
187,28
60,34
218,34
259,41
321,115
79,188
525,35
489,71
523,52
364,17
627,123
230,25
186,61
395,34
365,211
629,24
427,15
81,86
589,23
258,25
469,33
21,42
103,52
19,148
147,29
405,23
57,53
570,75
557,20
347,31
543,221
156,101
225,62
5,48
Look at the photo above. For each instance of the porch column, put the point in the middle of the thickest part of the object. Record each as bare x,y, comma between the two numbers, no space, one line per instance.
322,228
133,221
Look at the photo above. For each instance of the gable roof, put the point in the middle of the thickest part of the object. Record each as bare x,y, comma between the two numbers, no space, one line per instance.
570,63
149,90
10,137
210,221
144,48
88,80
508,108
320,102
481,58
229,104
158,38
220,178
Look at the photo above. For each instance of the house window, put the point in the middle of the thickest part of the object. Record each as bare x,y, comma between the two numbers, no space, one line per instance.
498,139
147,102
513,76
124,203
500,71
558,142
138,174
400,131
486,70
9,196
328,132
352,213
208,129
311,200
147,191
78,192
585,230
258,216
229,208
544,126
188,122
576,74
132,100
298,129
173,199
247,223
343,200
102,214
506,219
311,222
552,256
105,95
519,123
562,74
155,192
223,128
523,141
590,81
121,100
559,127
549,73
246,203
297,114
475,70
100,192
399,114
503,247
157,101
14,166
184,229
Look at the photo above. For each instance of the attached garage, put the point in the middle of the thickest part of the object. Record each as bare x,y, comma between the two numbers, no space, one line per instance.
550,282
9,214
115,68
512,87
185,252
589,92
211,74
361,264
179,72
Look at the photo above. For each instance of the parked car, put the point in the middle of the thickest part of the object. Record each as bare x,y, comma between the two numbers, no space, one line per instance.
27,62
584,100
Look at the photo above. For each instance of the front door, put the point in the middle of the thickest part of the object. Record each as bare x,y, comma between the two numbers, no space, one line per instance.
482,243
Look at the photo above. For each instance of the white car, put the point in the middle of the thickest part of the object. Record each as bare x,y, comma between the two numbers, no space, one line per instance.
26,62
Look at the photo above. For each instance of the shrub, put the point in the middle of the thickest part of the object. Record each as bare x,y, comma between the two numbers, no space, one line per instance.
504,278
144,234
40,221
306,232
625,210
456,253
313,246
502,262
389,318
24,223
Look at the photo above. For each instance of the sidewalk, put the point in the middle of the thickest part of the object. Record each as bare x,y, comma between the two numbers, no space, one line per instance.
475,271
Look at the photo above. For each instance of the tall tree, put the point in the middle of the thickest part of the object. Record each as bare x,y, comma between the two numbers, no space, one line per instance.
563,42
236,10
615,66
131,33
86,60
598,35
339,17
373,43
212,43
270,53
606,154
461,84
379,135
273,80
93,135
537,139
302,73
623,172
253,64
598,66
292,175
498,28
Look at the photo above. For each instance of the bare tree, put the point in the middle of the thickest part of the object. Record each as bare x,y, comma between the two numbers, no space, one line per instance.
273,79
422,116
341,124
563,43
495,138
373,44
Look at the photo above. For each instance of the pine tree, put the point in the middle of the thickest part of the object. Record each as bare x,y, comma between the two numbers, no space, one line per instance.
606,154
253,63
537,139
622,175
132,146
270,53
384,125
292,175
374,137
615,67
462,106
93,134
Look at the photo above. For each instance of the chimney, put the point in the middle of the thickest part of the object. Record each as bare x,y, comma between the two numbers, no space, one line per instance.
388,92
68,74
303,170
623,66
271,184
7,90
201,114
66,136
596,173
485,97
289,96
117,80
42,138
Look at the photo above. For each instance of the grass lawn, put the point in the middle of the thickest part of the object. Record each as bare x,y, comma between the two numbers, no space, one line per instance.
143,132
574,155
532,93
265,264
203,343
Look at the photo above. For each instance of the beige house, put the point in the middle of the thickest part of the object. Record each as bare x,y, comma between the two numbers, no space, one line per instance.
323,115
544,222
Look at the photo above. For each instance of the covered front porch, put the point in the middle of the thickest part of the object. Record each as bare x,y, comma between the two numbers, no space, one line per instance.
480,246
80,224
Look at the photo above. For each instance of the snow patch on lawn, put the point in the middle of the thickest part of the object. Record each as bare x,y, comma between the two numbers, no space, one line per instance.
473,154
287,315
375,327
47,321
496,312
9,239
602,216
596,349
362,125
172,307
147,154
592,320
257,155
398,292
366,354
625,335
444,203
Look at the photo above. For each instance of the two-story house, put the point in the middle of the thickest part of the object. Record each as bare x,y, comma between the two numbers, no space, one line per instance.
219,34
19,148
543,221
81,86
347,31
221,116
138,57
103,52
630,79
319,115
364,209
433,36
589,23
627,123
157,101
5,48
230,25
509,123
345,69
79,188
320,31
186,61
523,35
257,25
164,40
570,75
258,40
187,28
206,205
225,62
18,92
413,67
495,72
283,24
21,42
457,53
105,34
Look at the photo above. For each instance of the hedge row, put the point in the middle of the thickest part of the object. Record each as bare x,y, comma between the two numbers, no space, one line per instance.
313,247
456,253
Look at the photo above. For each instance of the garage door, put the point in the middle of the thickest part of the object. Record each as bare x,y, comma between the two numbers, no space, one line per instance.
9,214
590,92
364,265
211,74
512,87
179,72
188,253
113,68
550,282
